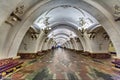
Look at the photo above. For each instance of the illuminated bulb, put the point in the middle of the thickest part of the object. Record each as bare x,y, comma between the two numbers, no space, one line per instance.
78,28
14,19
49,28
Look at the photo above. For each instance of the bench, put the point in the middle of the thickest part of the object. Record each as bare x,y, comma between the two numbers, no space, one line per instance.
116,62
9,65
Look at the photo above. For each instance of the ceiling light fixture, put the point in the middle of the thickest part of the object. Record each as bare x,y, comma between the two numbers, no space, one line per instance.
46,23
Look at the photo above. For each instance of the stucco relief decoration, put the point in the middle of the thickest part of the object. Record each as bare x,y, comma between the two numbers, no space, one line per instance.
77,39
46,23
82,22
92,35
15,15
34,35
105,36
117,12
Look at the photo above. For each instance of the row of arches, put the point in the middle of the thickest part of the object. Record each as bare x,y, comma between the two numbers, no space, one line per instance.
14,35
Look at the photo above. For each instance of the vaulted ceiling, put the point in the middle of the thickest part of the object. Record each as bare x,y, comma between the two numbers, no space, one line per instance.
60,19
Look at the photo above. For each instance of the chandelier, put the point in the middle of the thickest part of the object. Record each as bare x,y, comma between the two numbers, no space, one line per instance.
82,23
46,23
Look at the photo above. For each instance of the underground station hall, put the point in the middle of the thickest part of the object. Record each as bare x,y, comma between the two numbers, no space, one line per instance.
59,39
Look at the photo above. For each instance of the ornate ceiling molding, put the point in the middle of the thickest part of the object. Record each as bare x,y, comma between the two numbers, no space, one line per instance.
66,6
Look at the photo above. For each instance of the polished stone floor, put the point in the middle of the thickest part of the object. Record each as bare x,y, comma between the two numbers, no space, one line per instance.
63,64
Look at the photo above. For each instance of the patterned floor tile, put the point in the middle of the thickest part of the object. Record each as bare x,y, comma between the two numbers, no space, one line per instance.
63,64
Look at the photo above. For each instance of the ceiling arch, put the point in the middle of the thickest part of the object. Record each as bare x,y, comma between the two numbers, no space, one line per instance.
60,41
60,14
65,6
40,8
60,33
61,36
64,31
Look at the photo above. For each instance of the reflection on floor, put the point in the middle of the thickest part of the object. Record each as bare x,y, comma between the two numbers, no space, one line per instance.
66,65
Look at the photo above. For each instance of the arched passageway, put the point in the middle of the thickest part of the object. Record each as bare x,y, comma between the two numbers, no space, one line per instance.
34,28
